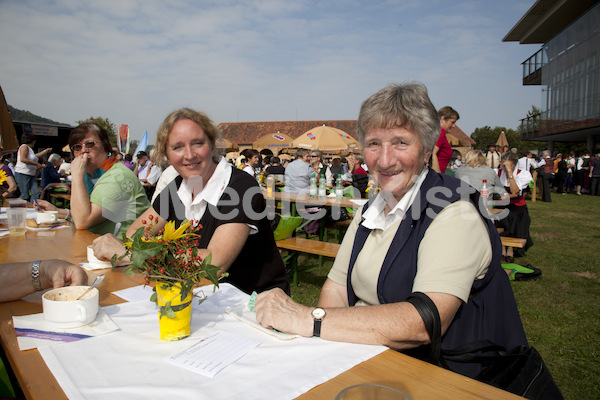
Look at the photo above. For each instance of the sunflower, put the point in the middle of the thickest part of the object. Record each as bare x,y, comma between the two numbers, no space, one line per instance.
3,177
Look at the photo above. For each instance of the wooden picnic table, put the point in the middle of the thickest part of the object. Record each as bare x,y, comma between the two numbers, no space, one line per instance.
417,378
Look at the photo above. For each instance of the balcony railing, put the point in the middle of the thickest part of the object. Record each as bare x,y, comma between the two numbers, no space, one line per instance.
535,127
532,68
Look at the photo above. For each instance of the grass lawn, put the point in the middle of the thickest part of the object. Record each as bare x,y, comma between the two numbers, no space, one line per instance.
560,311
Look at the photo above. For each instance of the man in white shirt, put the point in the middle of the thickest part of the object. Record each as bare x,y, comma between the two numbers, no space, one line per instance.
492,157
527,162
142,166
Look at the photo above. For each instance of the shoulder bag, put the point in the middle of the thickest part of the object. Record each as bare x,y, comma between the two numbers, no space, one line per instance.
521,371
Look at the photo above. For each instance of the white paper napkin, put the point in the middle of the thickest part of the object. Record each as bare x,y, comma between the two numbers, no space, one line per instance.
242,313
100,265
33,330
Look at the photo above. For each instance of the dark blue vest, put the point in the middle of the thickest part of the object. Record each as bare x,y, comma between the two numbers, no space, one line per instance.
491,312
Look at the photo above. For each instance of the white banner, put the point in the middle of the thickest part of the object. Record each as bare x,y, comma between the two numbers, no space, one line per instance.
40,130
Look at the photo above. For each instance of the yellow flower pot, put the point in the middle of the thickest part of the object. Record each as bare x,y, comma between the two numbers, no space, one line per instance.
178,327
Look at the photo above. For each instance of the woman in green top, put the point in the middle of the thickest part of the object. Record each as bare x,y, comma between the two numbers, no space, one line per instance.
104,192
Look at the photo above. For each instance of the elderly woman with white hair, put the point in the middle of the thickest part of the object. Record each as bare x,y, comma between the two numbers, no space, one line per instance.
50,174
421,233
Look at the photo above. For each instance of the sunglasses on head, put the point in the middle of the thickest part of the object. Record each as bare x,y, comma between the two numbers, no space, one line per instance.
88,145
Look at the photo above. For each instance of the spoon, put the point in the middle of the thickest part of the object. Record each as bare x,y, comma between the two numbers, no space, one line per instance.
99,279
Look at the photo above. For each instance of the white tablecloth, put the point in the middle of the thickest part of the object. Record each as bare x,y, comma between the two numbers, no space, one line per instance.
129,364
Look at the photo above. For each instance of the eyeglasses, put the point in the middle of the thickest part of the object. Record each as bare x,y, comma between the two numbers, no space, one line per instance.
88,145
314,156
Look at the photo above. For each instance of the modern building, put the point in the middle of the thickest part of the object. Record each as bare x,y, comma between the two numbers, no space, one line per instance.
567,67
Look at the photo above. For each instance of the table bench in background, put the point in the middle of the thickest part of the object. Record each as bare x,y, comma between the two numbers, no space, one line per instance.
296,245
513,242
61,200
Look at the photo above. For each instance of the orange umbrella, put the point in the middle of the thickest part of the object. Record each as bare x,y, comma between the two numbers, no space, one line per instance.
502,143
327,139
226,144
273,140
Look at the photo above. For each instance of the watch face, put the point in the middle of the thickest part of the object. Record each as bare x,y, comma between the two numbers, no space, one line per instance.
318,313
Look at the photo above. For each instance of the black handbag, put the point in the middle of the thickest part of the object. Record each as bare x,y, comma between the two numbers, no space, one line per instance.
521,371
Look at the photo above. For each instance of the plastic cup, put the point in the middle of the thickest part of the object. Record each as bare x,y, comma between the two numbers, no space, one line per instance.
16,221
371,391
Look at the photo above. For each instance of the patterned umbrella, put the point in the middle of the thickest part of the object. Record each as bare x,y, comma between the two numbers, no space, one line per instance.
327,139
273,141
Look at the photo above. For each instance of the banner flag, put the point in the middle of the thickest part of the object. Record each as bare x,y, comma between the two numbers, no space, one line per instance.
143,144
123,142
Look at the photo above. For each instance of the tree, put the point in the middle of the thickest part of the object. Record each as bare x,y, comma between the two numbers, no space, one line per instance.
486,136
106,124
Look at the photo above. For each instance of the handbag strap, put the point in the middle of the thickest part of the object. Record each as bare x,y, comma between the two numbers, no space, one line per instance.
433,324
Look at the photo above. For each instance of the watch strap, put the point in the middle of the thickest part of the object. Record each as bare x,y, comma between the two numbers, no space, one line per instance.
35,275
317,327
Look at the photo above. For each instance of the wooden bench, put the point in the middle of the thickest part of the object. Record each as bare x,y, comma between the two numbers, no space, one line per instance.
297,245
513,242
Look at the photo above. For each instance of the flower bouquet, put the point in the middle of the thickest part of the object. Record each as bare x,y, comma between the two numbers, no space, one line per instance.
170,258
3,179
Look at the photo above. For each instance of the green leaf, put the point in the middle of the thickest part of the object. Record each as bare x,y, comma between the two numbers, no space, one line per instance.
154,298
130,271
142,251
167,311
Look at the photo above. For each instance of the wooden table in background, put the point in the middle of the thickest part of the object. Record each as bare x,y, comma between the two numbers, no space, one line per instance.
418,379
307,200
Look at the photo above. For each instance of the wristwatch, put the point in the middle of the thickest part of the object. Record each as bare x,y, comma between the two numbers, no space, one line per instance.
35,275
318,315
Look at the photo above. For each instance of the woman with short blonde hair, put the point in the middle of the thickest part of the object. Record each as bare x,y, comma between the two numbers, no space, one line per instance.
475,170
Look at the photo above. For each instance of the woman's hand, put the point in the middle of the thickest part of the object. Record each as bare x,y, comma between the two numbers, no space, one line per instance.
276,310
106,246
79,166
508,168
43,205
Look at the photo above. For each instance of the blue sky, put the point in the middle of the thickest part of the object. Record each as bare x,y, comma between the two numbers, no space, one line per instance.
134,61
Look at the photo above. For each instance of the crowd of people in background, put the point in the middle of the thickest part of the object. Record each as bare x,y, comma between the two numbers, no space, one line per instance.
556,172
295,170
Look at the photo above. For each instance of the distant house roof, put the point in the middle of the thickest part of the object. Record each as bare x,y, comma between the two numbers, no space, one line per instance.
462,138
244,133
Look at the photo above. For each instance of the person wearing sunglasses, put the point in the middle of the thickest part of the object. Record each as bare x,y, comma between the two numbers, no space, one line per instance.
104,192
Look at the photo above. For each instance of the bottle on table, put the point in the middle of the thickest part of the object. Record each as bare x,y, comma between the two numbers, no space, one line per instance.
339,187
313,186
485,193
322,187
